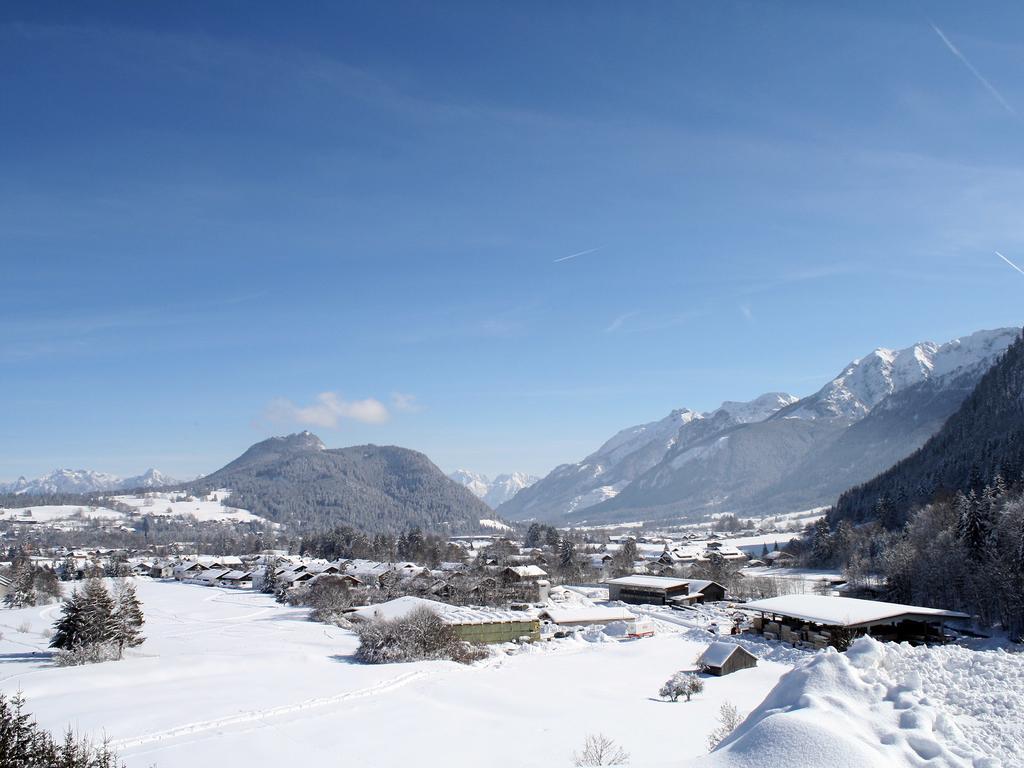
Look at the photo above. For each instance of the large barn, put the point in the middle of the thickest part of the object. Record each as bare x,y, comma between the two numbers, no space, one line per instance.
817,620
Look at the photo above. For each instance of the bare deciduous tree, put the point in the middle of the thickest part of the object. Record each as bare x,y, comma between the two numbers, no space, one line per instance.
600,750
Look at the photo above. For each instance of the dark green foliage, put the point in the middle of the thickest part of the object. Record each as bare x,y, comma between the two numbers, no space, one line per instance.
346,543
93,626
23,744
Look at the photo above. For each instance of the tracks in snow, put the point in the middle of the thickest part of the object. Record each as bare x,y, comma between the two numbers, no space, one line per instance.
252,716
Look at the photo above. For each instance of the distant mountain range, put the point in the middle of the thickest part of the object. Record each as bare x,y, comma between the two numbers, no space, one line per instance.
494,492
64,481
299,481
776,453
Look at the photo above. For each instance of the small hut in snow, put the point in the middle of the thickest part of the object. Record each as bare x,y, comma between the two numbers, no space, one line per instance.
722,658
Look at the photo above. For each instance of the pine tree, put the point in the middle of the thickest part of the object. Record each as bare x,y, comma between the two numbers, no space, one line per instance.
970,527
127,619
68,629
97,613
268,582
23,591
567,558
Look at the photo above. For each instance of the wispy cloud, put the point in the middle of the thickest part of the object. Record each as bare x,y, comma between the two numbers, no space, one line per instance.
328,409
974,71
746,311
1009,262
402,401
581,253
619,321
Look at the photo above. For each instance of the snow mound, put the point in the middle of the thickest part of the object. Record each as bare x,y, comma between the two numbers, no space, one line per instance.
870,707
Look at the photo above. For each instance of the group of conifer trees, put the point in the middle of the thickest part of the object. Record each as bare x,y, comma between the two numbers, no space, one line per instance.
96,625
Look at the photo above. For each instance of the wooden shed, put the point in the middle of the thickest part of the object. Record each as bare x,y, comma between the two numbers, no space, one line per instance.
722,658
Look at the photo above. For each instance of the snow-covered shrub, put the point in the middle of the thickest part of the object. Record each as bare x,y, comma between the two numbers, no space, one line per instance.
419,635
728,718
681,684
86,654
25,627
600,750
328,597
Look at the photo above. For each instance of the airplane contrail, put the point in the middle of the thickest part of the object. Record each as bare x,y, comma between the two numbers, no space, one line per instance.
574,255
971,68
1009,262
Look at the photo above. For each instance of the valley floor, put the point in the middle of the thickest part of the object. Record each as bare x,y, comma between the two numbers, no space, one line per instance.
233,678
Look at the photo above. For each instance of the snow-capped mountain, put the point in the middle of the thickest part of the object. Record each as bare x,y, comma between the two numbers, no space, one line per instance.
496,491
878,410
774,452
85,481
865,382
630,453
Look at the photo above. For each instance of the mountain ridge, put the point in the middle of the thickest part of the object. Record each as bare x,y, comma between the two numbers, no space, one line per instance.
71,481
297,480
801,454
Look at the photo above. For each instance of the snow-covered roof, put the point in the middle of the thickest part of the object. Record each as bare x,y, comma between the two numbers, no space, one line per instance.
846,611
585,614
718,653
528,571
649,582
401,607
699,585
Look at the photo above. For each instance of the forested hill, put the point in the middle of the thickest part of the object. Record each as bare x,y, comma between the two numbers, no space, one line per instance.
296,480
982,439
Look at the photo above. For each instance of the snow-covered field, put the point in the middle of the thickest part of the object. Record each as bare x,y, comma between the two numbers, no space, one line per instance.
156,503
232,677
210,509
55,512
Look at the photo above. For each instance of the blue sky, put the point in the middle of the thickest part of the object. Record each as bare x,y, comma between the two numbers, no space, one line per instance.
222,221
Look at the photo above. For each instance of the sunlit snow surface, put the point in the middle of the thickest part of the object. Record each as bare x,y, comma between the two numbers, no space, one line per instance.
228,676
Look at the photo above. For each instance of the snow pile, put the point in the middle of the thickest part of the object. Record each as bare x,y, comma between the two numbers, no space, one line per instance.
871,707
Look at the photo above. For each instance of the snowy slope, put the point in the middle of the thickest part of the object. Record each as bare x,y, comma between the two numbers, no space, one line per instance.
630,453
208,509
85,481
865,382
877,411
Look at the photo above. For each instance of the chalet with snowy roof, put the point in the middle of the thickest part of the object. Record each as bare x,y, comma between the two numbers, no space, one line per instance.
814,621
724,658
237,579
